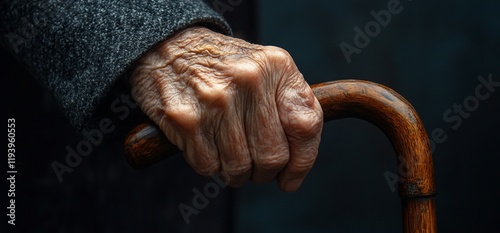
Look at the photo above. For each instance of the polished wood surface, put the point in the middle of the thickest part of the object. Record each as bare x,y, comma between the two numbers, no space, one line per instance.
365,100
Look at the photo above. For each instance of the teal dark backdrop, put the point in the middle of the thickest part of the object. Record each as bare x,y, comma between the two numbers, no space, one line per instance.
431,52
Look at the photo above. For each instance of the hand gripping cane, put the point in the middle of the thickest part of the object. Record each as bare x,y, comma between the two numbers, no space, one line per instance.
380,105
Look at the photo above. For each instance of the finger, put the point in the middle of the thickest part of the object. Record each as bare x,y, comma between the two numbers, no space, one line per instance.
267,142
182,127
302,120
202,155
192,122
232,145
266,139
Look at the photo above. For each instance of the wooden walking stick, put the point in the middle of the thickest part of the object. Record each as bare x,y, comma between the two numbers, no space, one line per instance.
380,105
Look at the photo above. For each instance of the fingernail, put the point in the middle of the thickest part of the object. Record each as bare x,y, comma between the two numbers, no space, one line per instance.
293,185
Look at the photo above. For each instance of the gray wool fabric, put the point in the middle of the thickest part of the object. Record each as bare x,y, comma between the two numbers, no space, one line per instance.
78,49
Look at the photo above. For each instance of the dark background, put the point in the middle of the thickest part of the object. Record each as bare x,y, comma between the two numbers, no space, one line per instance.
431,53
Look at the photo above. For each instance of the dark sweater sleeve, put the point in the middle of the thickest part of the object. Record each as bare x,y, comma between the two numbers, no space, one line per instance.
78,49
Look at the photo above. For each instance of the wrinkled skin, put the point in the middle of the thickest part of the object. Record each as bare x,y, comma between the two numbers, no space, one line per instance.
231,106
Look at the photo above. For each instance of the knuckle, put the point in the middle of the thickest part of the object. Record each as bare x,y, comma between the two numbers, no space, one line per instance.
216,97
302,165
238,169
280,59
277,53
185,119
304,124
276,162
248,73
208,91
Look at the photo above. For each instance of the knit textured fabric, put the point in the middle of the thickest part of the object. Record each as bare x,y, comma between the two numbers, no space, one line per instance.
78,49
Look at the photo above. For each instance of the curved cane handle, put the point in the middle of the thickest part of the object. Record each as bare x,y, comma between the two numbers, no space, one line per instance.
372,102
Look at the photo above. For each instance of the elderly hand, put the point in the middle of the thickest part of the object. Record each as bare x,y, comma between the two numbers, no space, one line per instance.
231,106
